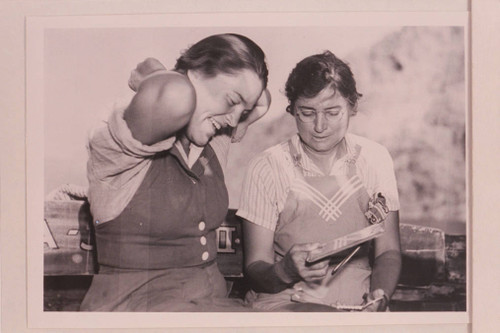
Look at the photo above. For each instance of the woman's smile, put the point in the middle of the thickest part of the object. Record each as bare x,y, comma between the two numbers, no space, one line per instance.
215,123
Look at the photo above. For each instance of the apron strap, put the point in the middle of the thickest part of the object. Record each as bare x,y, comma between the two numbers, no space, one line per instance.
351,172
351,162
296,157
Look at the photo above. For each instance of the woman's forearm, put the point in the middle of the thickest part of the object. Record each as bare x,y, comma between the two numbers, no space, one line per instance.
386,270
269,278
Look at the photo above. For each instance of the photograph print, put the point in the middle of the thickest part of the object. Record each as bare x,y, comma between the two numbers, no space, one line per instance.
239,167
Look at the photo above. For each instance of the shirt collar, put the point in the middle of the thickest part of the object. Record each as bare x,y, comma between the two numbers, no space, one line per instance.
308,165
194,153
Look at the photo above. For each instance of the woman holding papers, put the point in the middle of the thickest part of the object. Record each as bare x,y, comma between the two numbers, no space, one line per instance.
321,184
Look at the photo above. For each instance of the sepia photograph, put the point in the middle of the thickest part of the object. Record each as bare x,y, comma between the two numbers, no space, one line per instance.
249,163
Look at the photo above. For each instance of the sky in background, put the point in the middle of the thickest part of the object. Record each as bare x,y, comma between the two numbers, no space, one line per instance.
86,73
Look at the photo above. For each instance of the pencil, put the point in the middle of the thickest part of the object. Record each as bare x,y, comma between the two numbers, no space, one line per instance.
345,260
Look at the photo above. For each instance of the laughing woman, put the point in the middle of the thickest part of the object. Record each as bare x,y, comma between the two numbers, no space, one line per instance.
157,191
313,188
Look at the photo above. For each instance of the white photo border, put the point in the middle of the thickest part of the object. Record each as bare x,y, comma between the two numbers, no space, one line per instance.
37,318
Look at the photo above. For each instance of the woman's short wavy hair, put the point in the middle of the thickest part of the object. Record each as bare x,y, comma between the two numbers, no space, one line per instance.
314,73
224,53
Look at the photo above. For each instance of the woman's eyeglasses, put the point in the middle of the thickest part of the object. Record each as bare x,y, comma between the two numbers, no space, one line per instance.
308,116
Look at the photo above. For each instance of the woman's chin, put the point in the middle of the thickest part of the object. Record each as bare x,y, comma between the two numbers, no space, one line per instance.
200,139
201,136
198,142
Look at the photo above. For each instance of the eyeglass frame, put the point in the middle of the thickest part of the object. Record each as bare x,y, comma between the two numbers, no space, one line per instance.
341,113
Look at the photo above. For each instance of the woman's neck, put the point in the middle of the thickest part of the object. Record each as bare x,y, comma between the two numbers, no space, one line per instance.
324,161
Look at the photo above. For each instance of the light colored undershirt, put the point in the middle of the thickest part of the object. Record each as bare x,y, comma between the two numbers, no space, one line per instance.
194,153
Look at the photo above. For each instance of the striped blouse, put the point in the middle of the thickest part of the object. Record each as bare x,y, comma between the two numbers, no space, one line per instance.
271,173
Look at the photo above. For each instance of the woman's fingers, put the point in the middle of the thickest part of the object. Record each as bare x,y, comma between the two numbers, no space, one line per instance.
238,133
377,297
260,109
134,80
319,265
264,99
149,65
316,271
309,274
142,70
298,255
262,106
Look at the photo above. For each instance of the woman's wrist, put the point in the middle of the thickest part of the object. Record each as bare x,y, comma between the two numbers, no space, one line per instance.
384,302
267,277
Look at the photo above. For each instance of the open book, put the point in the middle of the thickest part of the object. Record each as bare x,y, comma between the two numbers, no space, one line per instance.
347,241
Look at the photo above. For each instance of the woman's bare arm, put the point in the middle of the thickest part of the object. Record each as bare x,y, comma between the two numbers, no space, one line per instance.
267,276
387,264
162,106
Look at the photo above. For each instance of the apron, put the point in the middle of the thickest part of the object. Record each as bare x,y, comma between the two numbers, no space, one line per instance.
320,209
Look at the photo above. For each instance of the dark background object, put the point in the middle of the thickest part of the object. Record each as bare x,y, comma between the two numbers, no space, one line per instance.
433,276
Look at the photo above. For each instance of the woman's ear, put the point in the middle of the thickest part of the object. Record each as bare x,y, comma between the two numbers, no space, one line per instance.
193,75
353,110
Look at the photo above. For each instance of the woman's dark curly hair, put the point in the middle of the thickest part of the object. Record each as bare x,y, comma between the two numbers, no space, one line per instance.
224,53
314,73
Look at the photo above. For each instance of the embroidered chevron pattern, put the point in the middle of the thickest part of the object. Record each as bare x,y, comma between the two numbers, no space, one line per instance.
329,208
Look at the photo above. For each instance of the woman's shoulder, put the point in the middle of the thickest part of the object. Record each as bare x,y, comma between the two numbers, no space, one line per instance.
368,146
372,152
274,157
273,152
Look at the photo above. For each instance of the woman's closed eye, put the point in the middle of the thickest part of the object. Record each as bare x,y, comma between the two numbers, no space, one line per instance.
308,114
332,114
233,100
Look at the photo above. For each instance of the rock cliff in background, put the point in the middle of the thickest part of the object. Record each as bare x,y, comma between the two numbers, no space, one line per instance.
413,85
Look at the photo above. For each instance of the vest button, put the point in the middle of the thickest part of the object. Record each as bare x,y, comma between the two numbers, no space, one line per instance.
204,256
203,240
201,225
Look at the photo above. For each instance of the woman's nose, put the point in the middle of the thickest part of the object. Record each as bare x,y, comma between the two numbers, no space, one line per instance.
320,122
233,118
